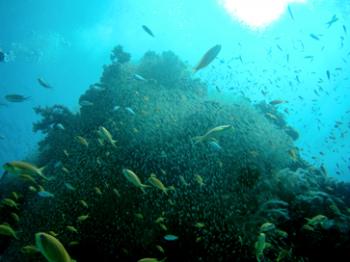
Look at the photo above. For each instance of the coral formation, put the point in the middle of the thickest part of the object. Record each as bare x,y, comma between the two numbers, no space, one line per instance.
218,195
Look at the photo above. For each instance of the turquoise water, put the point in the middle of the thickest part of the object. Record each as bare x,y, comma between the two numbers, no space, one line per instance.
70,51
301,58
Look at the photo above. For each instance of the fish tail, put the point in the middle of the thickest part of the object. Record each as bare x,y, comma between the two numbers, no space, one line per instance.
40,173
197,139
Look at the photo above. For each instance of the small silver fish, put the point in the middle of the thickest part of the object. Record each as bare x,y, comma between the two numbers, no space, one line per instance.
85,103
60,126
171,237
45,194
116,108
129,109
139,78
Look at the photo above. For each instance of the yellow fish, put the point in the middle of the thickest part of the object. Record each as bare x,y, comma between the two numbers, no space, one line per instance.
81,140
9,202
199,180
134,179
154,181
82,218
7,230
29,250
15,217
105,135
98,190
212,133
51,248
72,229
84,204
150,259
27,178
21,167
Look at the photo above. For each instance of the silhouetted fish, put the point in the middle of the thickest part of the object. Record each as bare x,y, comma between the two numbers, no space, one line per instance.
16,98
208,57
314,37
147,30
332,21
290,13
2,56
43,83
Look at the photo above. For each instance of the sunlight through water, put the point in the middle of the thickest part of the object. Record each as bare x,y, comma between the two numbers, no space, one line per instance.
257,13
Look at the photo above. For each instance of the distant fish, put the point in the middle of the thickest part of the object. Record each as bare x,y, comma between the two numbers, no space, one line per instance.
332,21
45,194
170,237
328,75
345,30
85,103
129,109
315,37
139,78
290,13
147,30
69,186
2,56
43,83
116,108
208,57
15,98
60,126
277,102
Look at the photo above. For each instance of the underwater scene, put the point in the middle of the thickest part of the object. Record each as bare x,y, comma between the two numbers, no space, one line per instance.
174,130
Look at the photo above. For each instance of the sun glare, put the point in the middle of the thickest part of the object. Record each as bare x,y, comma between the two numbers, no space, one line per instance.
257,13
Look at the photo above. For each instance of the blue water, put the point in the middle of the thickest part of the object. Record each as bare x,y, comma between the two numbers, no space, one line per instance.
68,42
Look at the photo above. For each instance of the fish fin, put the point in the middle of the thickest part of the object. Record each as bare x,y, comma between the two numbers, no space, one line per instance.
143,186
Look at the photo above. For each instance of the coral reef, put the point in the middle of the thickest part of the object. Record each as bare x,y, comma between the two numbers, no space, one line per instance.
219,192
